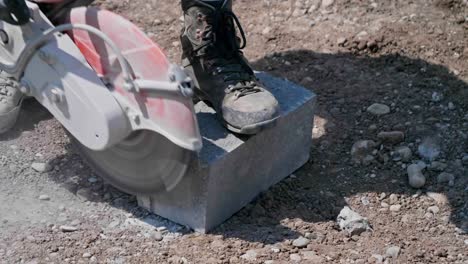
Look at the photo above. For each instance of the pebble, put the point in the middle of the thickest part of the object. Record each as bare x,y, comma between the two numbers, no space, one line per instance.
393,252
395,208
429,149
295,257
352,222
466,242
416,178
437,97
68,229
402,153
301,242
438,197
158,236
378,109
87,255
445,177
392,137
433,209
341,41
92,180
41,167
393,199
250,255
44,197
376,258
437,166
451,106
465,160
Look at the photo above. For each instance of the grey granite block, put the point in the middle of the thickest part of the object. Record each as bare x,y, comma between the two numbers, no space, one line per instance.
232,170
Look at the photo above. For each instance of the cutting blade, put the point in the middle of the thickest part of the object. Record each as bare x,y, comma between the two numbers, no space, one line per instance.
144,163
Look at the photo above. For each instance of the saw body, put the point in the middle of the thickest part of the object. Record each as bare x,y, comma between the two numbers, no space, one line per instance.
128,109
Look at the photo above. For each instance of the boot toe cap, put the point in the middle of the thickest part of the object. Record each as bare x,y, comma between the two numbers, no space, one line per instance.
245,111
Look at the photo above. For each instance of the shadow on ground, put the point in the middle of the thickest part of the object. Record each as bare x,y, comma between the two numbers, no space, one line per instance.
346,85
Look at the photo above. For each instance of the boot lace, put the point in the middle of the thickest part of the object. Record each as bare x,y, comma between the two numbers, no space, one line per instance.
222,48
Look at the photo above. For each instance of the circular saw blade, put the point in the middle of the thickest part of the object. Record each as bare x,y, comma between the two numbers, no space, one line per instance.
144,163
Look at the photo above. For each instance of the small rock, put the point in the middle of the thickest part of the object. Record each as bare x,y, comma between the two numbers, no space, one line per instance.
68,229
376,258
437,97
466,242
365,201
158,236
393,198
438,197
437,166
341,41
92,180
445,177
352,222
87,255
250,255
415,176
429,149
451,106
433,209
44,197
403,154
295,257
395,208
392,137
465,160
269,262
301,242
327,3
393,252
41,167
378,109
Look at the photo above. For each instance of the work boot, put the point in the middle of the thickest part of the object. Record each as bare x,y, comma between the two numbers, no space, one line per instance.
212,55
10,103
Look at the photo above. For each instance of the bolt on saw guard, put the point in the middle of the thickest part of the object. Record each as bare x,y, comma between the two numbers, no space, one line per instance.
147,131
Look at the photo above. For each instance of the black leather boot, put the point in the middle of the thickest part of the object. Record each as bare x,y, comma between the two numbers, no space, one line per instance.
212,54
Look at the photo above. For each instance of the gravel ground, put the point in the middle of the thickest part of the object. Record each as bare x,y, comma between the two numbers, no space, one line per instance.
392,81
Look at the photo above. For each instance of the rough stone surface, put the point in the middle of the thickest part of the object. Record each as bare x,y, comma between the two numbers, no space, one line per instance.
41,167
217,186
378,109
301,242
352,222
416,178
392,137
393,252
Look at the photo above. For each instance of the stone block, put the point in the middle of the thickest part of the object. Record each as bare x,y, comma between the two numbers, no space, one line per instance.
232,170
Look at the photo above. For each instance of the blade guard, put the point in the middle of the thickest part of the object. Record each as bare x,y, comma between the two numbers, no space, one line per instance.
171,116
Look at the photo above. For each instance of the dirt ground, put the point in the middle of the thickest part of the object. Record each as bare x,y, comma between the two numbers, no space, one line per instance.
411,56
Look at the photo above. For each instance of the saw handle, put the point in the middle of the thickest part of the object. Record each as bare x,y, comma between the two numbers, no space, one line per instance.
179,83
